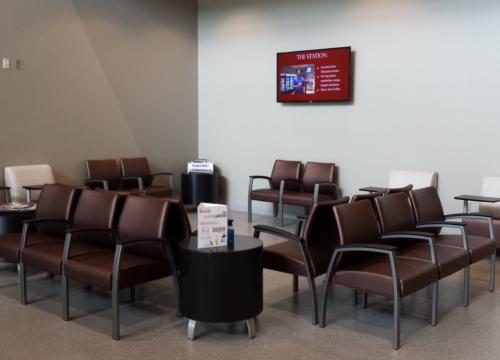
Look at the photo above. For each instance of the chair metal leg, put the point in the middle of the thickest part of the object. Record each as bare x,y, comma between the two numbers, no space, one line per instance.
275,210
191,329
22,283
65,291
493,260
396,335
435,297
251,327
295,283
249,210
365,300
312,287
280,206
115,294
354,295
466,285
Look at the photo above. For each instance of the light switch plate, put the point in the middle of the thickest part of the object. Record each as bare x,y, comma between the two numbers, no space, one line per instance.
5,63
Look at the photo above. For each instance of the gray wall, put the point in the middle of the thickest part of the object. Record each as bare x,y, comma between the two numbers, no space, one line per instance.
101,79
426,90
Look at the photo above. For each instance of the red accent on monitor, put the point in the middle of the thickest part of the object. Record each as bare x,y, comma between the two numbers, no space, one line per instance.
314,75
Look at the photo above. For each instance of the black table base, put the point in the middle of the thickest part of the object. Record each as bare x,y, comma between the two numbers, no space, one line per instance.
221,284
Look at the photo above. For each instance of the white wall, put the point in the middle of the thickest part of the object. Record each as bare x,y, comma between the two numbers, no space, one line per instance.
426,90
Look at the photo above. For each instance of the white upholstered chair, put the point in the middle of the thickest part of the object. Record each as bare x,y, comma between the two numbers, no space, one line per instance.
27,175
490,187
419,179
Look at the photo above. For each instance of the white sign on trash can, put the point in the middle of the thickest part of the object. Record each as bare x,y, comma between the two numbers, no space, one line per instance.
212,225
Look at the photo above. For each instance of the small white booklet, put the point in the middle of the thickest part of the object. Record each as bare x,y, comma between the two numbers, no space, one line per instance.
212,225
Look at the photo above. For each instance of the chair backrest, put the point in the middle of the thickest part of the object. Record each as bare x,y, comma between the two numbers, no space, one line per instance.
285,169
427,205
106,169
490,187
370,197
177,227
357,224
18,176
97,210
56,202
137,167
395,212
143,217
321,234
316,172
419,179
405,189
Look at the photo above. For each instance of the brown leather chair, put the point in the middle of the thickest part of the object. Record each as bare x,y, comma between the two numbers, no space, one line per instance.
285,176
396,214
363,261
307,255
429,214
52,214
137,173
95,209
103,174
141,254
316,185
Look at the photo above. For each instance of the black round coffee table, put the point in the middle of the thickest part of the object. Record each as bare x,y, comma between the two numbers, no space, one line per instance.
221,284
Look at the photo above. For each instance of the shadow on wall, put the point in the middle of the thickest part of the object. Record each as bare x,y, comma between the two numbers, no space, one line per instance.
137,16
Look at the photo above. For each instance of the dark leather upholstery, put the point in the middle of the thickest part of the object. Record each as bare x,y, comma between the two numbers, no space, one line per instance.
320,237
95,209
396,214
427,207
285,169
478,227
268,195
55,203
139,167
106,169
142,218
316,172
304,198
371,272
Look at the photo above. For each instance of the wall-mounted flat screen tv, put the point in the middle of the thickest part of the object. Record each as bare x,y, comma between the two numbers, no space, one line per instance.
314,75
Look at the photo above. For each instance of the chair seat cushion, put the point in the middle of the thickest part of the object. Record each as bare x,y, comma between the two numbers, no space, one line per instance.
158,191
97,269
284,257
304,198
269,195
48,256
449,259
479,247
10,244
374,275
478,227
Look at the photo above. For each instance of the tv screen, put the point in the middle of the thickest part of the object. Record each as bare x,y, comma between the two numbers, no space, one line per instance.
314,75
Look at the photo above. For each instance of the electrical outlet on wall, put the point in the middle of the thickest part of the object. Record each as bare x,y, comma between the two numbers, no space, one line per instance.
5,63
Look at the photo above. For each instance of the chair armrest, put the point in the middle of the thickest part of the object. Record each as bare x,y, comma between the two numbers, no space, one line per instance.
132,242
31,222
102,182
4,187
33,187
318,186
366,247
140,183
250,183
468,215
169,174
75,231
415,235
441,224
276,232
260,177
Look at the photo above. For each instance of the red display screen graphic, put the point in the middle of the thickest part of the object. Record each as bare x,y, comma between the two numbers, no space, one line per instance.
314,75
